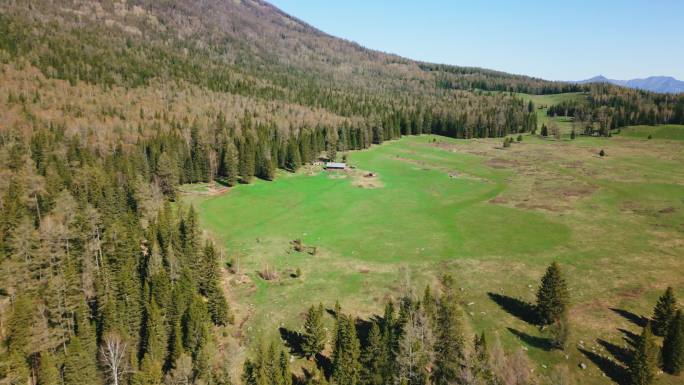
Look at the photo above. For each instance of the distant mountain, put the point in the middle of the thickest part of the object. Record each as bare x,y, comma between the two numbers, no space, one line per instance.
662,84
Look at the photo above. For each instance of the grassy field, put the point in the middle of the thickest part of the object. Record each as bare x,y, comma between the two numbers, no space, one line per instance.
543,102
666,131
494,218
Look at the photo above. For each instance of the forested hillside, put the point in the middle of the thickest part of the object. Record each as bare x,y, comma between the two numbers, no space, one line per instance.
107,107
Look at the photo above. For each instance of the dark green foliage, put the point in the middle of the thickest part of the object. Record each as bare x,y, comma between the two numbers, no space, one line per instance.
314,336
573,135
644,362
559,331
346,350
544,130
269,367
602,153
552,296
664,312
372,358
79,364
673,346
449,340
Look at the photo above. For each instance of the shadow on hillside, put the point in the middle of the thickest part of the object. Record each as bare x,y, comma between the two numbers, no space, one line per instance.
534,341
624,355
363,328
516,307
631,317
631,338
293,340
325,364
609,367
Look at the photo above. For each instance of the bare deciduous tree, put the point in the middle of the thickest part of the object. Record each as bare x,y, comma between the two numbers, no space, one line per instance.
113,354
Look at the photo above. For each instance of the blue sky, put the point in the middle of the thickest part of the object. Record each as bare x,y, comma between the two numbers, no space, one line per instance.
563,40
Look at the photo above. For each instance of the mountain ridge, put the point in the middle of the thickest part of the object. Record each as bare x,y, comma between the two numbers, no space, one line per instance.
660,84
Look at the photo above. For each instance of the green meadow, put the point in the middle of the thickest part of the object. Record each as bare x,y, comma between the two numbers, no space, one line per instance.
492,217
665,131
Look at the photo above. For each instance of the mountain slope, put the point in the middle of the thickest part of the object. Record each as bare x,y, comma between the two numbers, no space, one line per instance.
661,84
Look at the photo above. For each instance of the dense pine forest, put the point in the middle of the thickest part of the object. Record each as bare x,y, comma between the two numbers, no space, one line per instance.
107,107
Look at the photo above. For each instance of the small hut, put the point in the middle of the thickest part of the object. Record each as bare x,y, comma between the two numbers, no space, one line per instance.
335,166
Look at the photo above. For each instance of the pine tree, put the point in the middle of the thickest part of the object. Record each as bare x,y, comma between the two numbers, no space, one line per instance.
390,343
481,362
230,163
449,339
48,373
345,358
372,358
284,366
314,332
544,130
78,368
673,346
644,362
552,296
664,312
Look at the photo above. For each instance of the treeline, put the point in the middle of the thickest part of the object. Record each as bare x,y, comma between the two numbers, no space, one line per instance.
104,281
469,78
608,107
418,340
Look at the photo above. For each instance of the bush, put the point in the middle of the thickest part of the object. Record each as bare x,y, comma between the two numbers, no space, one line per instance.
602,153
506,143
650,136
520,138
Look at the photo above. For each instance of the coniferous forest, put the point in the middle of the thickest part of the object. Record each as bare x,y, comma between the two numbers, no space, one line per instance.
106,276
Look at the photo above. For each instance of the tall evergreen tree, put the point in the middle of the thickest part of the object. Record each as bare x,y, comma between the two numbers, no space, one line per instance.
664,312
346,351
673,346
372,358
449,339
314,332
78,368
552,296
644,362
229,168
48,373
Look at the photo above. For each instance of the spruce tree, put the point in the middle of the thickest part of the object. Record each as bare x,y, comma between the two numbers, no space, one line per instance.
48,373
449,339
644,362
78,367
314,332
664,312
372,358
673,346
552,296
481,362
345,358
230,163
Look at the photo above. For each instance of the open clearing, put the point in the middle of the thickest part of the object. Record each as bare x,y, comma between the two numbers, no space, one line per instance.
666,131
494,218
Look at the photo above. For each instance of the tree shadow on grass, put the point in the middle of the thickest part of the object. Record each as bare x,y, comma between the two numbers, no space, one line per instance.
609,367
630,337
516,307
621,354
631,317
534,341
325,364
293,340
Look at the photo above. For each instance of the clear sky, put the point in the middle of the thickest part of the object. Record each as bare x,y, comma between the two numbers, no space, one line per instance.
557,40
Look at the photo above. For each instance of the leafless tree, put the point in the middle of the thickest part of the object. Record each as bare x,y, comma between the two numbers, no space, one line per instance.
113,354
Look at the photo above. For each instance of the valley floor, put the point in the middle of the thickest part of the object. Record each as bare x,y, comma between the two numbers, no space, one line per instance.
493,217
